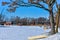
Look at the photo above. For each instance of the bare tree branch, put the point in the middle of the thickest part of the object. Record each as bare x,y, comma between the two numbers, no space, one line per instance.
41,6
33,4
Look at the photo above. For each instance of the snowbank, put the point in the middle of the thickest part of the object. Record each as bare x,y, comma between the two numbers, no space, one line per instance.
53,37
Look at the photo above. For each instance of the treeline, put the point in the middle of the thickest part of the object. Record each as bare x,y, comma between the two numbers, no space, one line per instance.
24,21
29,21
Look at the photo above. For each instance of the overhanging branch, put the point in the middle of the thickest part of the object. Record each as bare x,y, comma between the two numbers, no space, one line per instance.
34,4
41,6
29,5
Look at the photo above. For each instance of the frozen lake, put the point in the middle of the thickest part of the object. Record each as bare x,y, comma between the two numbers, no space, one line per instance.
19,32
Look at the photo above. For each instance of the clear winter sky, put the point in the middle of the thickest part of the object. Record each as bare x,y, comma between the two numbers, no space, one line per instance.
26,11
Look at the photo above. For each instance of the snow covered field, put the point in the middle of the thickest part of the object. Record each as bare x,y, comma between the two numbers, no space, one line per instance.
53,37
19,32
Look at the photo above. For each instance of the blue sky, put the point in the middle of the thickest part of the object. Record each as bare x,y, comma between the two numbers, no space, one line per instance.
26,12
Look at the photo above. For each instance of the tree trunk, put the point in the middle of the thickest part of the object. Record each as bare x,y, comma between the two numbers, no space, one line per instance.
52,20
57,22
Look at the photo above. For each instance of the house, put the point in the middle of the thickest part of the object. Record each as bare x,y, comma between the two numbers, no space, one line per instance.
8,23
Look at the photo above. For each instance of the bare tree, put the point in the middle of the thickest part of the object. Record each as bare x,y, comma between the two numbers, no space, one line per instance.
2,16
37,3
57,16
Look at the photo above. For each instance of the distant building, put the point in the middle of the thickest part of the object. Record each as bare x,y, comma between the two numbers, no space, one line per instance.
8,23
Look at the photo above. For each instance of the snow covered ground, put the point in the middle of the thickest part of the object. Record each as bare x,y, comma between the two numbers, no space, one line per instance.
53,37
20,32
